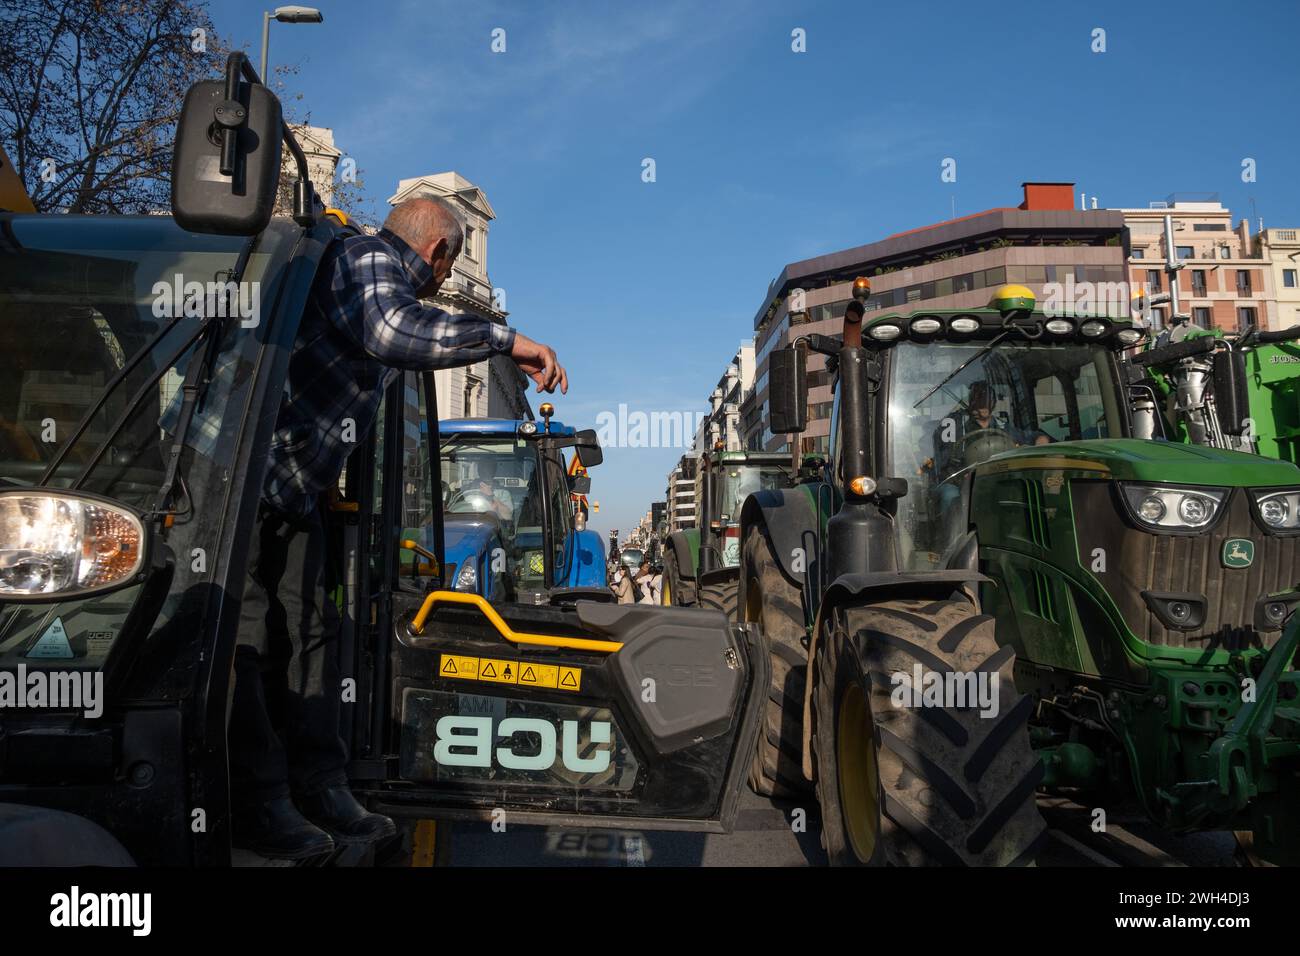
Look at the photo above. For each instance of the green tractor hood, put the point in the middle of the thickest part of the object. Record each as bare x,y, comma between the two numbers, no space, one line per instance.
1134,459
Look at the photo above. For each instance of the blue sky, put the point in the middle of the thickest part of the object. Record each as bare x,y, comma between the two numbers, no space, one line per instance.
765,156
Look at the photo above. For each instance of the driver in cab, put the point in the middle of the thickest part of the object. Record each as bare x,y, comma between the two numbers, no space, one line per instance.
957,430
503,505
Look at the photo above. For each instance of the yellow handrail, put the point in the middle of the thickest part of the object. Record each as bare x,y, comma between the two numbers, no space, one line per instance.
515,637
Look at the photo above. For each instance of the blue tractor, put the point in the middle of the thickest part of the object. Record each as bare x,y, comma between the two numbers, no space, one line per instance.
513,523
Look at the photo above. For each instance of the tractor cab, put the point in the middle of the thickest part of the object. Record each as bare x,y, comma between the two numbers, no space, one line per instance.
697,560
511,527
142,374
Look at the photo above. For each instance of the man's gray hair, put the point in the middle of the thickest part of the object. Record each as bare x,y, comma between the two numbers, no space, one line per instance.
425,218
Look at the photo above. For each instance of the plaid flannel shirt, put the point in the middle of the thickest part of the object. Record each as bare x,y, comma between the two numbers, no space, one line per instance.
362,323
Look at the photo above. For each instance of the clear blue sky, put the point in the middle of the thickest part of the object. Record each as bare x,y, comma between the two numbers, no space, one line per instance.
765,156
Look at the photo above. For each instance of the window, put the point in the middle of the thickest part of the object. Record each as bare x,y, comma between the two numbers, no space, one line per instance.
1245,316
1209,227
469,395
1288,278
469,242
1139,253
1201,317
1185,252
1153,280
1243,282
1198,282
1033,395
1225,252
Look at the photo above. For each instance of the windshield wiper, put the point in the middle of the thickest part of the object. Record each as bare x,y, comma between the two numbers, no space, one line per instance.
962,367
108,390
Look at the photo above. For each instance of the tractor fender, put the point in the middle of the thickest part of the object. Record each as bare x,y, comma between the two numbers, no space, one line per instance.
684,553
786,515
856,589
588,560
39,836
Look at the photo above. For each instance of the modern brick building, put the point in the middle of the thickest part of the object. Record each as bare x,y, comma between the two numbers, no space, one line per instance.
952,264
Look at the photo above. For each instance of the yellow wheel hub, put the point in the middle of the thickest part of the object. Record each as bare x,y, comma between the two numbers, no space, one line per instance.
666,595
855,752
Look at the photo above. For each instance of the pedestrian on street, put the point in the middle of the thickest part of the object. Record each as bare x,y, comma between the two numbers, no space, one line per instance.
622,587
649,584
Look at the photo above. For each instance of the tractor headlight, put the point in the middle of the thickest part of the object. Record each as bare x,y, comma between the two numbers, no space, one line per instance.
1279,510
1093,328
467,577
1059,326
1174,509
55,545
926,326
885,331
1129,336
964,325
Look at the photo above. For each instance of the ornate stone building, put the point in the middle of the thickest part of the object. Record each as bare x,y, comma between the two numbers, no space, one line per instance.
492,389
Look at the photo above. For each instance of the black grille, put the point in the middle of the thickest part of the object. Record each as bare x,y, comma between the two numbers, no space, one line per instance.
1138,560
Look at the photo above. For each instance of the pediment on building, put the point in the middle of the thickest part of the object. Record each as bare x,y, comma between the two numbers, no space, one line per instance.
449,185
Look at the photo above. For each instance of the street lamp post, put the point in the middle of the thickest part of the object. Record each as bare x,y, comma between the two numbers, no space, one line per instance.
285,15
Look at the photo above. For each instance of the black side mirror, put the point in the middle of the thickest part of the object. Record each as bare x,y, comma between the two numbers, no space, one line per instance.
787,390
226,162
579,485
588,449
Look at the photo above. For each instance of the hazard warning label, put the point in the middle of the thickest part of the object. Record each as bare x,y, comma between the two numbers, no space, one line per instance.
453,665
538,675
498,672
521,673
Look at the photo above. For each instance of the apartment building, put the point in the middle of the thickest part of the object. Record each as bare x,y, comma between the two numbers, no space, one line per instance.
1280,249
1186,244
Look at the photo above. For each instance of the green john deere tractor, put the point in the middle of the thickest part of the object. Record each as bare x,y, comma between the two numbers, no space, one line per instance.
700,563
1007,592
1239,391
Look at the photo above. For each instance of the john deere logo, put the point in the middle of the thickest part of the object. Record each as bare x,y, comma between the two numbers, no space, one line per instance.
1238,553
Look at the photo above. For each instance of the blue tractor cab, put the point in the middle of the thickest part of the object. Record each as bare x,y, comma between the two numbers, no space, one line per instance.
511,530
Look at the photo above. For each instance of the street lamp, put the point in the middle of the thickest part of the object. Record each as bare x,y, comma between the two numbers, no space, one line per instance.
285,15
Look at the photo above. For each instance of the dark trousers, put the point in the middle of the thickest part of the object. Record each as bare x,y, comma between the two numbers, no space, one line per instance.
284,722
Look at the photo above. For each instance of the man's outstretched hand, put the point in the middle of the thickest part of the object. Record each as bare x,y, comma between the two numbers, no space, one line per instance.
538,362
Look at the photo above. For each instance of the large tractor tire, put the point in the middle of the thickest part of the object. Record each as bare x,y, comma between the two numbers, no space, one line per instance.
774,602
722,597
920,785
676,592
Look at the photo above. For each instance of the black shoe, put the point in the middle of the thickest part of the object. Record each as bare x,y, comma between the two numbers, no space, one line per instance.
276,830
335,810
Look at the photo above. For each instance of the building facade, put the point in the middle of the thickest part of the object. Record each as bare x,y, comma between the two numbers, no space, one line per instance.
679,500
950,265
1221,277
1280,249
494,388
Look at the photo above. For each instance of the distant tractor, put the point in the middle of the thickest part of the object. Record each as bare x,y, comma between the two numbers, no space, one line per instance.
700,563
511,515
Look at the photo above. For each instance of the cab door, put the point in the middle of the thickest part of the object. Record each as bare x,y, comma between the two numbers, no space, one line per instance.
581,713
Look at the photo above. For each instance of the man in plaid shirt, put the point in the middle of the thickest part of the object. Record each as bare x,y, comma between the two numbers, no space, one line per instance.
364,322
